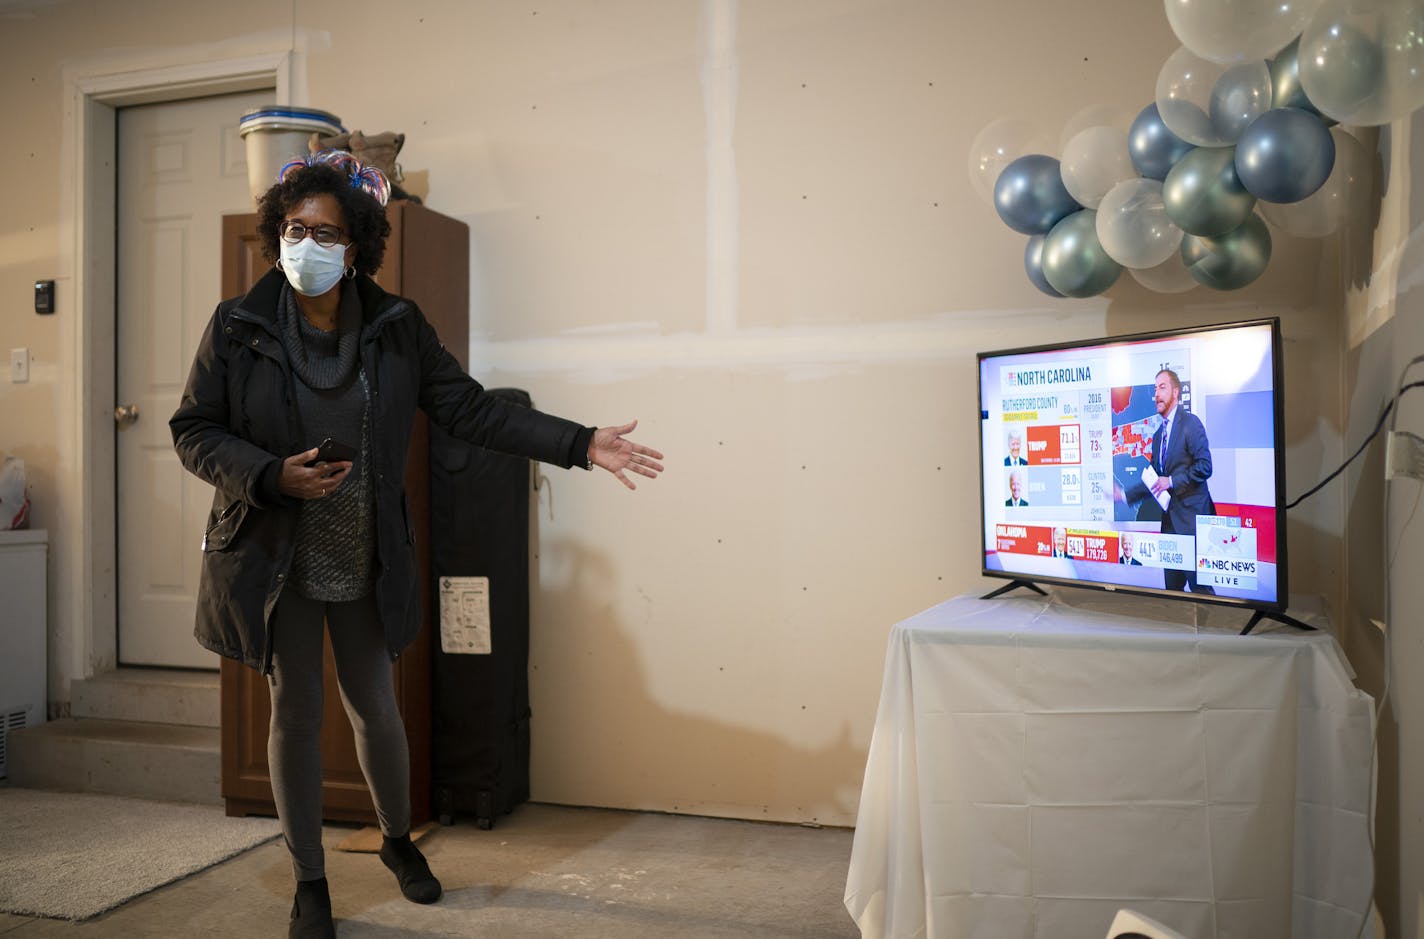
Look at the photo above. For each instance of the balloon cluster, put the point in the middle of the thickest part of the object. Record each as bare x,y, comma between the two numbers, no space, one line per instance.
1242,127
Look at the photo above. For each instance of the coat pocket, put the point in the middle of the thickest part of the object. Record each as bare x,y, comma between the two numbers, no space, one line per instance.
223,527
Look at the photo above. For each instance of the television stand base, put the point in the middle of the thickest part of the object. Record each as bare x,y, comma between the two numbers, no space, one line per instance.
1278,617
1011,585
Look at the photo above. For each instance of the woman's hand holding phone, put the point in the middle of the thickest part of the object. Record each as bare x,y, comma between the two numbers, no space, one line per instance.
307,475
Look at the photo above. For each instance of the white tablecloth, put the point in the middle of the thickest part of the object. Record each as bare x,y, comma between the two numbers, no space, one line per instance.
1036,766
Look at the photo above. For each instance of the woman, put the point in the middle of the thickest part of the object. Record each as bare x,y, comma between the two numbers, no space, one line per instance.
317,350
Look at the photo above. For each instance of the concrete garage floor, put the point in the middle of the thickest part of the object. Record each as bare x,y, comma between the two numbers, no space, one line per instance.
545,871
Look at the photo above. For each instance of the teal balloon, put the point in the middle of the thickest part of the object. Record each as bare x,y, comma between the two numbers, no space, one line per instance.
1286,91
1203,195
1232,260
1033,266
1073,259
1285,155
1030,197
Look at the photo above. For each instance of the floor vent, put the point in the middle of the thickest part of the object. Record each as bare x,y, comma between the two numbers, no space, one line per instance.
9,721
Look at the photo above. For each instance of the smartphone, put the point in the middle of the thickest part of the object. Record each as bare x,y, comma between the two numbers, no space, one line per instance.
332,450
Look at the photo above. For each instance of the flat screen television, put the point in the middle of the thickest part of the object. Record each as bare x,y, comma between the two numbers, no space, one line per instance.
1151,463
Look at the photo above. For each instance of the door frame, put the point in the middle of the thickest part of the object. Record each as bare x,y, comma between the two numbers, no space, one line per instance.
86,585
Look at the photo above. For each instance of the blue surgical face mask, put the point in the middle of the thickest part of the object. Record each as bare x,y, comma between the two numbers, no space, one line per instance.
311,269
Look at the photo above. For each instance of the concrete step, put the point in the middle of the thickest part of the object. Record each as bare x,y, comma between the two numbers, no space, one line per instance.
154,695
166,762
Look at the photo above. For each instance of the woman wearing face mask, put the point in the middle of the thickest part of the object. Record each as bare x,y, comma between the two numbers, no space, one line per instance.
315,350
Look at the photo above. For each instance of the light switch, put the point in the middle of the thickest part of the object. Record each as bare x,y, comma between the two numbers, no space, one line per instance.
19,365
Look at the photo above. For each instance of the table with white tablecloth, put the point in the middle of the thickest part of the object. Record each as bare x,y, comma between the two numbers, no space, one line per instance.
1036,766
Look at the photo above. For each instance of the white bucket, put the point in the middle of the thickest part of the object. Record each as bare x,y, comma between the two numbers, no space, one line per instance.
277,134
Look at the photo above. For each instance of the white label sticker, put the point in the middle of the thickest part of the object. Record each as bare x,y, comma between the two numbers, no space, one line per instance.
465,615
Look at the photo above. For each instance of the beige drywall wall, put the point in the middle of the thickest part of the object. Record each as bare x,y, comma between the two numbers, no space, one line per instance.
1384,264
750,226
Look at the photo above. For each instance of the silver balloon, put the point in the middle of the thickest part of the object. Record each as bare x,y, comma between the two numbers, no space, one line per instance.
1240,95
1285,155
1203,194
1152,146
1207,104
1171,276
1094,161
1342,71
1094,115
1029,195
1000,143
1133,225
1231,261
1362,61
1232,31
1286,91
1033,265
1074,261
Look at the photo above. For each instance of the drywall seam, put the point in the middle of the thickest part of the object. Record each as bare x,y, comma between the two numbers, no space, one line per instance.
603,358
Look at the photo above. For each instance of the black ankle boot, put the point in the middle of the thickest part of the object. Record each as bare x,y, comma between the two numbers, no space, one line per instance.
408,864
311,912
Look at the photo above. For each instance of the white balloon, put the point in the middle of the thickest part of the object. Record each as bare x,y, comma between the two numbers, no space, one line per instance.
1171,276
1344,191
1094,115
1361,62
1133,225
1234,31
1209,104
1095,161
996,146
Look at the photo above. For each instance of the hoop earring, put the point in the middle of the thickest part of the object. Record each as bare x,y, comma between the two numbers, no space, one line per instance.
351,272
278,265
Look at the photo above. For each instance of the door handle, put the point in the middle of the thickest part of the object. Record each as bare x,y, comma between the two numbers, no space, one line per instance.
125,415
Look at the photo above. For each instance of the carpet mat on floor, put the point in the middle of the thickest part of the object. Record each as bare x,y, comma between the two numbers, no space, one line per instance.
72,856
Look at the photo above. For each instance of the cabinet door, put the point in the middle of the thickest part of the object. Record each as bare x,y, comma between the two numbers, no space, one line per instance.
246,707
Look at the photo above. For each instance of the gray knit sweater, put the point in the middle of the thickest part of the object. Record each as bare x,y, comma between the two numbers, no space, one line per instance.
334,558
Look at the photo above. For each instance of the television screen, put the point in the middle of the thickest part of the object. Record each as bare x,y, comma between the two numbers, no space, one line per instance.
1150,463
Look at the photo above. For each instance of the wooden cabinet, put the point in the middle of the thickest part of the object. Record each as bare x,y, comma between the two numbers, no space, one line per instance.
427,260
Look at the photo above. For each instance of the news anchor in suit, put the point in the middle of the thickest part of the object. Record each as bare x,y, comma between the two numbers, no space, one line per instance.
1181,456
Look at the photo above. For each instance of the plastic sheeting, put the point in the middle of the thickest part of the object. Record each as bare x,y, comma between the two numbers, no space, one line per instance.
1036,766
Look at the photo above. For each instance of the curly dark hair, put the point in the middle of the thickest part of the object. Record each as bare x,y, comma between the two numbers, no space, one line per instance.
366,223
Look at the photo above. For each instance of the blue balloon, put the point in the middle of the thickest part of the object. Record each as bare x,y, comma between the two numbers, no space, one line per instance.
1154,148
1033,264
1285,155
1030,197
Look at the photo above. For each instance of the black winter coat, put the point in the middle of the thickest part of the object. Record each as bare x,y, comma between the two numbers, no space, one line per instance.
239,419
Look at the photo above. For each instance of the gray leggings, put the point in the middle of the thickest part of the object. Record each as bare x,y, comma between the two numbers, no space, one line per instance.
363,672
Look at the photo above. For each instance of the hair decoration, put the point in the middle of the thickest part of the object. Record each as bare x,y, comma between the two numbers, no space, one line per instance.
368,179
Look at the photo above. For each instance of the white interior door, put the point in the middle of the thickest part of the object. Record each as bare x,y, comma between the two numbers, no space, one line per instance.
181,167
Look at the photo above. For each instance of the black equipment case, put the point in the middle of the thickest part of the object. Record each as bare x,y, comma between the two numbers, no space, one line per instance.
479,509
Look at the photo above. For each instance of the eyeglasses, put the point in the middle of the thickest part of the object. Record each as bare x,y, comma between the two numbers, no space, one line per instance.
325,235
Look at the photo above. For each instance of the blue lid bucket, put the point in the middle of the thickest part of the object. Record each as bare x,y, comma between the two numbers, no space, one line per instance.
276,134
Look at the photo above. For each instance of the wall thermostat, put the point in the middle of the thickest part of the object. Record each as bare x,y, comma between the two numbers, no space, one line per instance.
44,296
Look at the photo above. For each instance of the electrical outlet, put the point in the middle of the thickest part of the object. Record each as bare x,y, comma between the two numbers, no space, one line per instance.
19,365
1404,455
